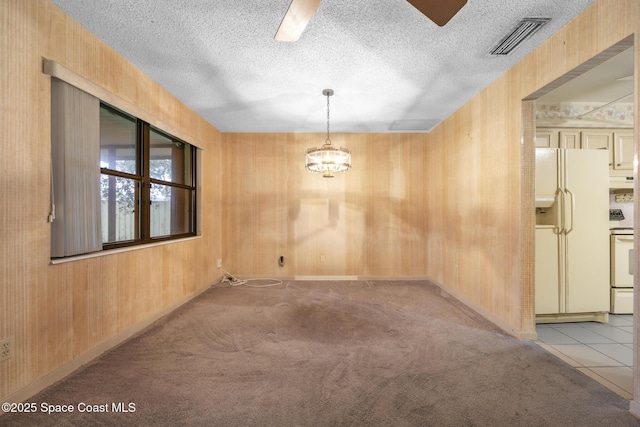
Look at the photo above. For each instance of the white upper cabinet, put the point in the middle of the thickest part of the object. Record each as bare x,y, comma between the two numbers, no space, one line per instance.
569,139
618,142
623,144
547,138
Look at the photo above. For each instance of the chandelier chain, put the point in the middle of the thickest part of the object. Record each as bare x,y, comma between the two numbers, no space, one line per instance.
328,139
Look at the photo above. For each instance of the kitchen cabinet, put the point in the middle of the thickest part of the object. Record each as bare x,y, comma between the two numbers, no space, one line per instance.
623,145
569,139
619,144
598,140
547,139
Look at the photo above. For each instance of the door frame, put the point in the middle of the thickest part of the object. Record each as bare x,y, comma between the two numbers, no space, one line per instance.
527,156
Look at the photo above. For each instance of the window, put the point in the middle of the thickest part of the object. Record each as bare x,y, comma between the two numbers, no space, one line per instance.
147,182
116,180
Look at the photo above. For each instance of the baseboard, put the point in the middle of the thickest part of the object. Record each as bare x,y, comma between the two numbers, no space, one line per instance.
509,329
93,353
323,278
329,278
599,316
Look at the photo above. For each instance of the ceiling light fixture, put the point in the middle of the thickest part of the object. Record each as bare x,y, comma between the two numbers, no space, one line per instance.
328,159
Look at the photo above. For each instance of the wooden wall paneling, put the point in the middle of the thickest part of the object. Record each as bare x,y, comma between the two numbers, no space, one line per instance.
256,171
313,217
50,323
401,235
210,199
362,206
353,208
18,277
171,275
83,312
287,208
251,172
412,199
378,222
244,239
256,174
269,179
450,221
361,183
391,188
291,209
313,229
434,163
60,313
298,193
505,226
229,209
483,225
364,222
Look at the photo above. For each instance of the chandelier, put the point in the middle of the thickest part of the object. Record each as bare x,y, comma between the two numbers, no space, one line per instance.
328,159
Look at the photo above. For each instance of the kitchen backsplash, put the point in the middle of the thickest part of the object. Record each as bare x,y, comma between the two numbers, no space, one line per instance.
623,201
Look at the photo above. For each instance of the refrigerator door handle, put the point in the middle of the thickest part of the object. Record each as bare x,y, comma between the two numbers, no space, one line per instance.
573,208
559,201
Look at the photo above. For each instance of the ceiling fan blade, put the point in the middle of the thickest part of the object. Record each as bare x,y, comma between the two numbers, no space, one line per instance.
439,11
296,19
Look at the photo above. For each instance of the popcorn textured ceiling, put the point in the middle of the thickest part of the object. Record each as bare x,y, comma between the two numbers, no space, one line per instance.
385,60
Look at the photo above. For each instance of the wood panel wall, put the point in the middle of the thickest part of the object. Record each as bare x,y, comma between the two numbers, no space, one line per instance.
60,313
367,222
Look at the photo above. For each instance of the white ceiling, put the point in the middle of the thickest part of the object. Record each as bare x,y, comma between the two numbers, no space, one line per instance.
385,60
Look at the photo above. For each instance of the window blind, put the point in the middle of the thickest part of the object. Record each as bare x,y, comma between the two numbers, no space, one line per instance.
75,154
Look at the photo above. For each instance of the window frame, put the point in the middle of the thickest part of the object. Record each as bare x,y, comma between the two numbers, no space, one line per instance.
145,182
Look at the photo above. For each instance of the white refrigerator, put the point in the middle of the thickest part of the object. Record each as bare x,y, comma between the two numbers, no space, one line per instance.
572,231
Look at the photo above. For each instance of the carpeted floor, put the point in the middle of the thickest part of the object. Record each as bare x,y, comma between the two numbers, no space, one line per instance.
360,353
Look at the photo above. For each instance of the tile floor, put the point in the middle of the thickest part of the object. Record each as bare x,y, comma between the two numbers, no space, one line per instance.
603,351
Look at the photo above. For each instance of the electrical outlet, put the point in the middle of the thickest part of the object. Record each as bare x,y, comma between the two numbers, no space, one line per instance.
322,258
6,349
219,264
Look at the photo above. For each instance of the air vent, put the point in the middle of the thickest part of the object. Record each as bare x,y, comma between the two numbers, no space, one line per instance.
414,125
525,29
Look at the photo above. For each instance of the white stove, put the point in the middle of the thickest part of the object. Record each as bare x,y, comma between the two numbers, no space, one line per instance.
622,266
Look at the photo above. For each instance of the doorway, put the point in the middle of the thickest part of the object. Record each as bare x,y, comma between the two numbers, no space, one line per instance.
567,120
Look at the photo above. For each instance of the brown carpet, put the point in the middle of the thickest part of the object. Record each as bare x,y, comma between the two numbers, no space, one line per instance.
361,353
